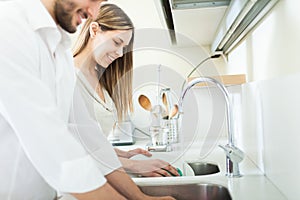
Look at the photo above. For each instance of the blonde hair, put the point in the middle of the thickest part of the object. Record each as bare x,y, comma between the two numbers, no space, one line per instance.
117,77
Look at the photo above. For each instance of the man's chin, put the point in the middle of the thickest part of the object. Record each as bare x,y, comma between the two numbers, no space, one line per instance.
73,30
69,29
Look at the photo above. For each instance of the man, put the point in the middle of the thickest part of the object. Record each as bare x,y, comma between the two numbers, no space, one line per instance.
40,152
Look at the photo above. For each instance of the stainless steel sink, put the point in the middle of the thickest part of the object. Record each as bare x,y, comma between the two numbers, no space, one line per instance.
203,168
201,191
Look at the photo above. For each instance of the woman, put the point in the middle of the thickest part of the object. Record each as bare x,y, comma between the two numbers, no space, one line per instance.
103,56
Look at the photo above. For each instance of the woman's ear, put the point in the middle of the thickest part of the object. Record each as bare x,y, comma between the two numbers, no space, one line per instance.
94,27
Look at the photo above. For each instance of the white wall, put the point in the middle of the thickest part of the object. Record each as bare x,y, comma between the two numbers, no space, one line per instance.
270,58
152,46
272,50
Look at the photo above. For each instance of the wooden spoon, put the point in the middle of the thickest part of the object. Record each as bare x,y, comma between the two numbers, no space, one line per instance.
173,111
165,102
145,102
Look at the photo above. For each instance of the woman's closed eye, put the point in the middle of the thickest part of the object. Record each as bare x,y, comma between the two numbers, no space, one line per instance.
117,43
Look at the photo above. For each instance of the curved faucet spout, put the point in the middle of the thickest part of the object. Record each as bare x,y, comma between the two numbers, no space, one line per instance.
232,166
226,96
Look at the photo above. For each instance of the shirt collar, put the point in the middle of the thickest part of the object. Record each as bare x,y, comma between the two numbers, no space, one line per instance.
37,15
39,18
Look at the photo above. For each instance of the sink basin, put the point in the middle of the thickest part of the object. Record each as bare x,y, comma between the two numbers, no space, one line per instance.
201,191
203,168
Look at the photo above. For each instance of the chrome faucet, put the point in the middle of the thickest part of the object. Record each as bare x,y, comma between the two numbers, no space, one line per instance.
233,154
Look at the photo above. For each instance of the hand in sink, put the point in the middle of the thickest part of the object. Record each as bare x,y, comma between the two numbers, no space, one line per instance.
133,152
143,166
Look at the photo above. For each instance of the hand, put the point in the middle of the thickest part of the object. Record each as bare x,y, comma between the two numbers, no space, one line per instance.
161,198
138,151
152,168
129,154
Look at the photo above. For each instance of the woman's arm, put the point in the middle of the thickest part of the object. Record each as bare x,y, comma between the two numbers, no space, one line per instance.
130,153
148,168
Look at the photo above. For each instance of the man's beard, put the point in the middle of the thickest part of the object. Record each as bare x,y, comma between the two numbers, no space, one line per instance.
64,11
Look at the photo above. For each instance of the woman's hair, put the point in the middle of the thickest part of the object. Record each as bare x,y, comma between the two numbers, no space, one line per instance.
117,77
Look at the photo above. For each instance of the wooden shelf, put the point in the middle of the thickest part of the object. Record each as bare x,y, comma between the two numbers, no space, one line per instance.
227,80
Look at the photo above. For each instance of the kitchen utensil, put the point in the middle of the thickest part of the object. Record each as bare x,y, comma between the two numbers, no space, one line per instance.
173,111
145,102
164,100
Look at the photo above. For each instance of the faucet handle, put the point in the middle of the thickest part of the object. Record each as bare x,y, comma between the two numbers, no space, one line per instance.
233,153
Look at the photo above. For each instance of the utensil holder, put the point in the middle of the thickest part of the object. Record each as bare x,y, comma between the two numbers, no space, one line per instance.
158,136
170,128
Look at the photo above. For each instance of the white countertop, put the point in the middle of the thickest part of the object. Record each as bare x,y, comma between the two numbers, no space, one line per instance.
252,185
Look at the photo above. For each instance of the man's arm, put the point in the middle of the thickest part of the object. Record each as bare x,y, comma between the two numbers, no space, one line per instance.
119,180
105,192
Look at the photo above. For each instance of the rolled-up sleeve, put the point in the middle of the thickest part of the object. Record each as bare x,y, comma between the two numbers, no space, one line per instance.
29,107
91,136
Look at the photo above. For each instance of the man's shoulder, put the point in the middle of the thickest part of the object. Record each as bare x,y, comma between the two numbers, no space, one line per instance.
11,9
13,16
17,38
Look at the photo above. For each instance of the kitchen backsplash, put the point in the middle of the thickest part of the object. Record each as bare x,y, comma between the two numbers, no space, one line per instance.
266,124
271,137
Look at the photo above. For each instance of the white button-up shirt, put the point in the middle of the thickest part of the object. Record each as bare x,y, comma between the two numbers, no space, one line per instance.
102,112
38,119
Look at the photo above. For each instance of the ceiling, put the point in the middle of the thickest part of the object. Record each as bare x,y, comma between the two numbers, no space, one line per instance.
192,26
199,24
143,13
